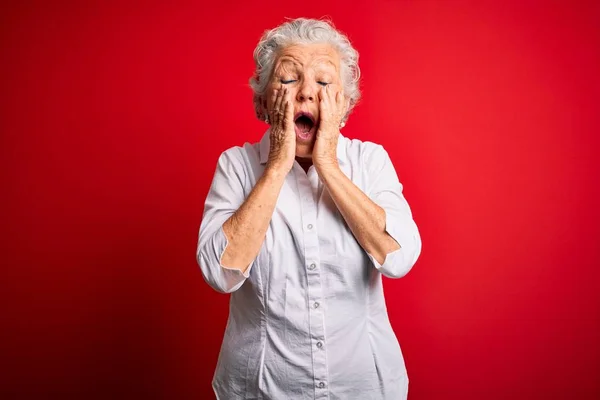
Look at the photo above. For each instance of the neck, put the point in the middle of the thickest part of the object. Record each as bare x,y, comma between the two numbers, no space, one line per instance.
305,163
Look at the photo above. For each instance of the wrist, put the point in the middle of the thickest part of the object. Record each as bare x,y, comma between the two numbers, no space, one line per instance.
274,172
327,168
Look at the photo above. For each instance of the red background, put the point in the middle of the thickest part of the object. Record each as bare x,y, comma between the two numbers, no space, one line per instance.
113,115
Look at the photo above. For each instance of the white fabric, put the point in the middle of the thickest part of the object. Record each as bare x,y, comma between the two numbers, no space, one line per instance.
308,319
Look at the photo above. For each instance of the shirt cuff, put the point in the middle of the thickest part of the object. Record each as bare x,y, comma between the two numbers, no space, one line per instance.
222,278
224,242
399,262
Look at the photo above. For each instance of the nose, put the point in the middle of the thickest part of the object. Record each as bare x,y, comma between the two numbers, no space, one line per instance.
307,92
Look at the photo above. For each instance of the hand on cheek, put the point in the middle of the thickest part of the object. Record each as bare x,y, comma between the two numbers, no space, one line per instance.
331,111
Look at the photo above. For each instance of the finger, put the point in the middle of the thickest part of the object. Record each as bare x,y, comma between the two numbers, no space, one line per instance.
330,94
322,106
321,93
272,100
340,103
284,98
326,97
331,90
288,118
277,110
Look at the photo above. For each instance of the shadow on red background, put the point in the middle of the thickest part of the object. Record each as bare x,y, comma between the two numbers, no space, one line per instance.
112,117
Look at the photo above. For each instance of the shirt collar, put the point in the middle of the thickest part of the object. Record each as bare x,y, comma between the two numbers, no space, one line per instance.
265,147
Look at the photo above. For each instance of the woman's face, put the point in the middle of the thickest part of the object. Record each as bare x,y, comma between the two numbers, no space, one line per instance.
304,70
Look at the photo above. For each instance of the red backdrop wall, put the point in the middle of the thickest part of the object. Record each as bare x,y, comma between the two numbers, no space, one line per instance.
112,117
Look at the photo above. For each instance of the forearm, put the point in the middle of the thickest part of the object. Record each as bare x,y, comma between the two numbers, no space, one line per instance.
364,217
247,227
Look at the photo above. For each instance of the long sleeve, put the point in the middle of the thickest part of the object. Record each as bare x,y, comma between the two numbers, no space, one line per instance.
385,190
225,196
307,300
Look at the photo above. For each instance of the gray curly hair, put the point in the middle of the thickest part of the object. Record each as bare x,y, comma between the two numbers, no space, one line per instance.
304,31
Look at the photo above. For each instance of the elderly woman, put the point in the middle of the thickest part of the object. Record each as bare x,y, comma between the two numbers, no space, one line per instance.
300,227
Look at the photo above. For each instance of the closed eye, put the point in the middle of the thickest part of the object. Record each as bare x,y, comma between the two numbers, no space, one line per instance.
293,80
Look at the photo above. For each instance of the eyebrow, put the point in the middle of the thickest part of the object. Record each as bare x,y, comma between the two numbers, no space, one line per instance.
322,66
286,60
289,60
326,61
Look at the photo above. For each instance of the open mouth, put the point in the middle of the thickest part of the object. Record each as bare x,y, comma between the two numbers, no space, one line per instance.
305,124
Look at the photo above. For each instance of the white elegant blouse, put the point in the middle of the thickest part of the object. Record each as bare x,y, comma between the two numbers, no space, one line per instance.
308,318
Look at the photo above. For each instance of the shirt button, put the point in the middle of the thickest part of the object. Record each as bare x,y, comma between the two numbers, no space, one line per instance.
316,304
319,344
312,266
321,385
309,226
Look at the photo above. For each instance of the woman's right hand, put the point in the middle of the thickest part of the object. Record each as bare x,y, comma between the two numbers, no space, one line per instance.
283,134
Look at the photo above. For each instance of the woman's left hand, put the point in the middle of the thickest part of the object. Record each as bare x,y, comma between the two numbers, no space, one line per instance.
332,108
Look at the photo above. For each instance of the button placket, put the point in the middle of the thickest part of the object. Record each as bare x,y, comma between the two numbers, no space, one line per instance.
313,275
